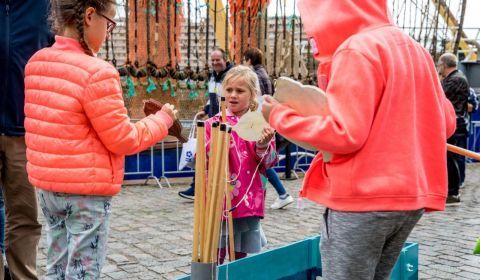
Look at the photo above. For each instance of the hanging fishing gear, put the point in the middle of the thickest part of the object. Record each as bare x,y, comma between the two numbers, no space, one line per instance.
151,68
135,71
178,73
123,70
191,76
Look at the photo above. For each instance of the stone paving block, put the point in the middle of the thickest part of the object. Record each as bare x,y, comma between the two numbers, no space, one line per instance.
119,259
468,275
472,270
110,268
162,269
118,275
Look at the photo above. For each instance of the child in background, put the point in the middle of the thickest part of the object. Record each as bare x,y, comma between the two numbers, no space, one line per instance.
241,89
77,133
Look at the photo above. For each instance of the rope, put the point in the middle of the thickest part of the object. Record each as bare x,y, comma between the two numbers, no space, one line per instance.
242,28
235,29
426,32
175,33
127,39
265,36
259,25
196,36
157,25
206,36
249,17
292,48
148,31
189,45
106,49
169,49
114,60
460,27
214,23
284,20
300,50
275,42
136,33
435,31
226,29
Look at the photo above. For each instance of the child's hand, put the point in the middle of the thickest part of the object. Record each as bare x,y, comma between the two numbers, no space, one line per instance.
267,106
170,110
267,135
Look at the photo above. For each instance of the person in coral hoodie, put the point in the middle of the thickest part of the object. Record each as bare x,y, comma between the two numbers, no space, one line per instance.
387,125
77,133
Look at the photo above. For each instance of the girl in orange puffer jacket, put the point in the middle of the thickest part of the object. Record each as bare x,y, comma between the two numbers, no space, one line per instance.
77,133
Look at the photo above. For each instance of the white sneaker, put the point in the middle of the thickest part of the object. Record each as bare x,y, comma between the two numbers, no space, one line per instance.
280,203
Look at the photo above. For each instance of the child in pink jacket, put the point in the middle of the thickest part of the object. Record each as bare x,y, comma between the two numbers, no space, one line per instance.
241,89
77,133
387,125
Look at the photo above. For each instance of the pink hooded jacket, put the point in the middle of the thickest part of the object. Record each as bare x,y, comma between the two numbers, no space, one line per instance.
77,127
389,118
244,156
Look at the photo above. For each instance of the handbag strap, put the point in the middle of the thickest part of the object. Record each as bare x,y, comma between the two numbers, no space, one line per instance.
193,128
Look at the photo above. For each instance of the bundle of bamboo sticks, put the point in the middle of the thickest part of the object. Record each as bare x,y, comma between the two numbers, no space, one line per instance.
212,194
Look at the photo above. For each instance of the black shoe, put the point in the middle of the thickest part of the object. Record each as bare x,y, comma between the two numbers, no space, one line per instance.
453,200
7,273
188,194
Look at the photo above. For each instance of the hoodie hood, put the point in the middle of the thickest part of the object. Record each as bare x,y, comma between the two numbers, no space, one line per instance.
329,23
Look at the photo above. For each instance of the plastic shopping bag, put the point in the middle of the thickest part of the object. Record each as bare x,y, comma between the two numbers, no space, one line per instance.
187,158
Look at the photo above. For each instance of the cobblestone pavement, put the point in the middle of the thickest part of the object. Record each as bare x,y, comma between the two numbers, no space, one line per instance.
151,233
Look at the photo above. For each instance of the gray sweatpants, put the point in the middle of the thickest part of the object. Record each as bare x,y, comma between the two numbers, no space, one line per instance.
363,245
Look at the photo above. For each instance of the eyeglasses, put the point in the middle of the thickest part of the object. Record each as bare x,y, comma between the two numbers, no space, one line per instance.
110,23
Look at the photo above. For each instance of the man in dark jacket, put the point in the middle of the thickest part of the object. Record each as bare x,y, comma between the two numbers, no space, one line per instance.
456,88
23,30
220,65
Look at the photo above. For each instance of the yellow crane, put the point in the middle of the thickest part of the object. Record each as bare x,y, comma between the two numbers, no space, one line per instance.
470,48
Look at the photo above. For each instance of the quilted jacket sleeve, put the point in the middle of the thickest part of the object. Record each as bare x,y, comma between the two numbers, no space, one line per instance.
103,105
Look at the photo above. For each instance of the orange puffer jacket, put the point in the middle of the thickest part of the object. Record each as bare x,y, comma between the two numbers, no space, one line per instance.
77,127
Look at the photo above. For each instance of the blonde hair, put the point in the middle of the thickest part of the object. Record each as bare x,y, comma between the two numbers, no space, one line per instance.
251,80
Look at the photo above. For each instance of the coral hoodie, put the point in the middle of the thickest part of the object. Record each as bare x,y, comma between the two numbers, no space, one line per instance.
388,117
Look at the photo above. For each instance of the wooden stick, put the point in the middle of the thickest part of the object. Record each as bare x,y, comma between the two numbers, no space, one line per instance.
199,215
223,109
463,152
229,203
219,186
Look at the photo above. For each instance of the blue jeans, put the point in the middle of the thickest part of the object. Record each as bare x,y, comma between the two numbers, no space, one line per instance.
462,143
275,181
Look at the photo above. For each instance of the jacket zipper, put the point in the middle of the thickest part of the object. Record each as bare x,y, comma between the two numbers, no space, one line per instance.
5,81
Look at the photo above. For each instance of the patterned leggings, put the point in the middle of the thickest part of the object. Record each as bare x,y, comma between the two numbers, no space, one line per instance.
77,230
